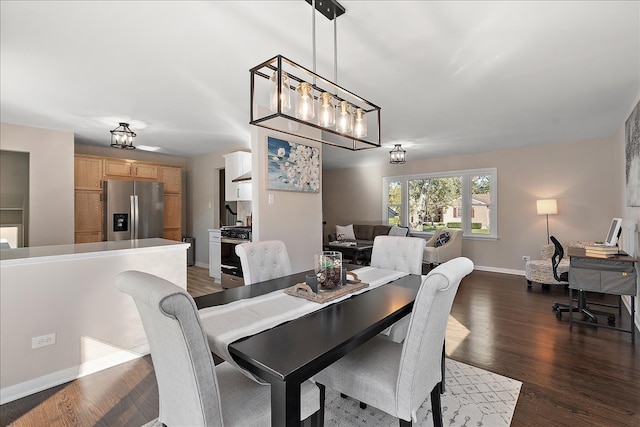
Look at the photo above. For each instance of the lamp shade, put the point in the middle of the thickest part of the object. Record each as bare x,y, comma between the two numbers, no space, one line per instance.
547,207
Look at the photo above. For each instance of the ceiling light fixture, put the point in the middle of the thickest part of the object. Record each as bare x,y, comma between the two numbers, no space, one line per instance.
122,137
397,155
340,118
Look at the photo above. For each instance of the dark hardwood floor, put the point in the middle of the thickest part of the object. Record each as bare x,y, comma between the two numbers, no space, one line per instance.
585,376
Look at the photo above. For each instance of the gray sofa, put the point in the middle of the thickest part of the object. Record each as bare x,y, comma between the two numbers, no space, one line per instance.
365,233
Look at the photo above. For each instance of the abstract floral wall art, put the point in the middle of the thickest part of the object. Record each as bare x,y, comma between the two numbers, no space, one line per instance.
292,166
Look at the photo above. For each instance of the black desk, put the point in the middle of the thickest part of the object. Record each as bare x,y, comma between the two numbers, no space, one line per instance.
291,353
616,275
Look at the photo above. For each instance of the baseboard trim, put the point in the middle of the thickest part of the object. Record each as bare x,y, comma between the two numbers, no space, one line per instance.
202,264
499,270
18,391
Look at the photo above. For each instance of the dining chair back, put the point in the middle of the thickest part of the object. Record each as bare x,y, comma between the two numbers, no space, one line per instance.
264,260
397,378
192,390
398,253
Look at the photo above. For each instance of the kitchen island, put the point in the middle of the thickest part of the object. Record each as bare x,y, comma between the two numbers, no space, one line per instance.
68,290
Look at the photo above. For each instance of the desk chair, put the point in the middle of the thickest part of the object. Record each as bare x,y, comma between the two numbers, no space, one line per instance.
563,277
192,391
582,307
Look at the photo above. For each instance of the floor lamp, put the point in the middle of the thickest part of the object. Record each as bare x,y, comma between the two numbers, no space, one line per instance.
547,207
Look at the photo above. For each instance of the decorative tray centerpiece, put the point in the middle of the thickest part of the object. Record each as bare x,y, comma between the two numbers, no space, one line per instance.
303,290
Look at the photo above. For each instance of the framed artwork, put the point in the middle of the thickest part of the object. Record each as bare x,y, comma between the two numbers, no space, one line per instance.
632,160
292,166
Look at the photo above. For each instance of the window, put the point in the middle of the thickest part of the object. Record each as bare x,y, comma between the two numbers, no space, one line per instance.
426,202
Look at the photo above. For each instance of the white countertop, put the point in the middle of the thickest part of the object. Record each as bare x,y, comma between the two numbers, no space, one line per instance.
83,250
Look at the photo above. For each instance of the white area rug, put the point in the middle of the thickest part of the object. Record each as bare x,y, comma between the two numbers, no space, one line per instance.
473,397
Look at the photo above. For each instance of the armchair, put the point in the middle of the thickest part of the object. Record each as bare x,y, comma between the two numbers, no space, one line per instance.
439,254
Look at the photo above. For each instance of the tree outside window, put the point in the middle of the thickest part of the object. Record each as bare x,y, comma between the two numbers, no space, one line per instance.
424,203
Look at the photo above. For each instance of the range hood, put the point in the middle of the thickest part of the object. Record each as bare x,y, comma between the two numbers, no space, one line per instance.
244,177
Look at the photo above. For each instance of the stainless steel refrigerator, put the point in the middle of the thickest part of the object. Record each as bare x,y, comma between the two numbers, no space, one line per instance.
133,209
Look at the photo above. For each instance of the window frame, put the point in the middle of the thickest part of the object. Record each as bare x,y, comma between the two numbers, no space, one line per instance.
466,199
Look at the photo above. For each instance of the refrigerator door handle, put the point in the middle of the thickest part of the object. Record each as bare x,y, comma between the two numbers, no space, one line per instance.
134,216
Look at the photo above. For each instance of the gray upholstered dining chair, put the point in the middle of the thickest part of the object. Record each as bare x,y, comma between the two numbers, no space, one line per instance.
396,378
264,260
192,391
399,254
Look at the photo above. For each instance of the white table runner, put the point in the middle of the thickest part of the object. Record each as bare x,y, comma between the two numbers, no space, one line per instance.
227,323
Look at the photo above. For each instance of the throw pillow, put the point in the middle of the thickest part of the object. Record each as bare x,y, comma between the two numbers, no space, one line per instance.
442,239
345,232
399,231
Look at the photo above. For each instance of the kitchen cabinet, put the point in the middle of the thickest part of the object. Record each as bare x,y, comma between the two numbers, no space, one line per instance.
91,171
235,165
172,178
88,220
88,199
172,209
88,173
215,254
128,169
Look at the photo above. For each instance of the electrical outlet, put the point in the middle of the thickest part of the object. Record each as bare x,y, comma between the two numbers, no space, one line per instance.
526,257
43,340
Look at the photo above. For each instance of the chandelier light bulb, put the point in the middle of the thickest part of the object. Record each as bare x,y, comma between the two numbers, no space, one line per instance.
344,118
304,105
360,125
327,112
285,96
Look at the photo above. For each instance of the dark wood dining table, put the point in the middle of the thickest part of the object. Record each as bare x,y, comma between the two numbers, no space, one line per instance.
288,354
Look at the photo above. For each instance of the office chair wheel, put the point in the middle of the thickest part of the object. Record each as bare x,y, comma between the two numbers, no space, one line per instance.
558,315
611,321
555,307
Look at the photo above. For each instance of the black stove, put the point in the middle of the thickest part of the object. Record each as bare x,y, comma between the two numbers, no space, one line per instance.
236,232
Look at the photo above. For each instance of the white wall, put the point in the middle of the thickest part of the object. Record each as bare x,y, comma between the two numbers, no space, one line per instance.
51,184
96,326
294,217
630,215
203,198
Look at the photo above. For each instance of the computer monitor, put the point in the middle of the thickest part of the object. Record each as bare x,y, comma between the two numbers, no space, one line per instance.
614,232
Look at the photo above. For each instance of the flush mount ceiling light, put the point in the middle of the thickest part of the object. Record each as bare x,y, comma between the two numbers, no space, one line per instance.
122,137
323,111
397,155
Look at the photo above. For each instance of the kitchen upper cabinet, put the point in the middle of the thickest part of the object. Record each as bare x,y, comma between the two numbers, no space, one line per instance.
87,173
235,165
172,179
116,168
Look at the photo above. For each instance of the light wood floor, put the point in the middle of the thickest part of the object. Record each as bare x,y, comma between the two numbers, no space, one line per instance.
199,283
580,377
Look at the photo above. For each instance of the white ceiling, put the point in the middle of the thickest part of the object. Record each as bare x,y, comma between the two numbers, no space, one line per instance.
450,77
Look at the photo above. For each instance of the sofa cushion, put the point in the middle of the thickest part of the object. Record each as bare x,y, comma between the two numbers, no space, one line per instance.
399,231
345,232
363,232
380,230
442,239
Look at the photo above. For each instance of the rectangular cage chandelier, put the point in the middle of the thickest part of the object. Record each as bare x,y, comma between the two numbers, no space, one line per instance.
287,97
